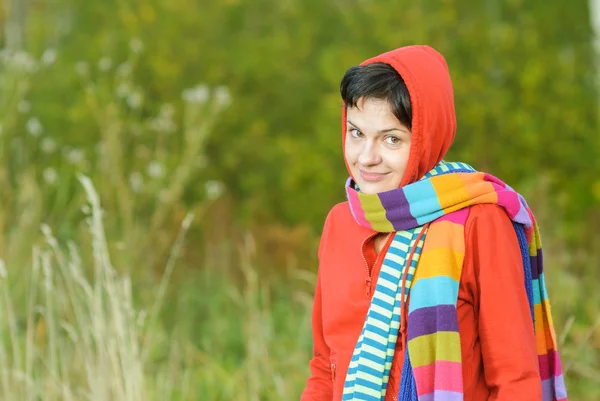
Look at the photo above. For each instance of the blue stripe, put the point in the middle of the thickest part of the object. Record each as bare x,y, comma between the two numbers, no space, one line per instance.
537,293
385,280
366,369
375,344
377,330
372,358
367,384
382,303
543,290
364,397
401,238
426,218
397,251
439,290
422,199
393,265
388,277
378,316
384,290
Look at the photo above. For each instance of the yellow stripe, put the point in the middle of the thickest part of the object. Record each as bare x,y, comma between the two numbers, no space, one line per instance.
423,349
478,188
377,219
444,234
440,262
450,189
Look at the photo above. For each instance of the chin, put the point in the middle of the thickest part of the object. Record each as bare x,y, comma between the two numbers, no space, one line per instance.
375,187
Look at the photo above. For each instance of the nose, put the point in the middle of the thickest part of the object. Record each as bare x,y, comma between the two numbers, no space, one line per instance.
369,154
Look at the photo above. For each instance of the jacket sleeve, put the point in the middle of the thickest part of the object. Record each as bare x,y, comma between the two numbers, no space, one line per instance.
319,386
506,332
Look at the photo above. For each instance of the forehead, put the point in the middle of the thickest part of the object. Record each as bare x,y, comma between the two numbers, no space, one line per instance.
372,111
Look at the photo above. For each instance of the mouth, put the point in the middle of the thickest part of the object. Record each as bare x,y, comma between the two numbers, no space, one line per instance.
371,177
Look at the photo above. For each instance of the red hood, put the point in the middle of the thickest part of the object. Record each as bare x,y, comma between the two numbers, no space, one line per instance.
427,78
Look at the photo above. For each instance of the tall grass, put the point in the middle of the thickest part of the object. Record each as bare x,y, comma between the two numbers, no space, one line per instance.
82,337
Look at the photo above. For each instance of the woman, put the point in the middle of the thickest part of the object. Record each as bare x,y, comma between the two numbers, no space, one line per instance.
430,282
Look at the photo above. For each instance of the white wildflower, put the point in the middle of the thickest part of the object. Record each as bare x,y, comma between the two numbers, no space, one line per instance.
24,106
50,175
222,97
75,156
105,64
164,121
124,69
162,125
82,68
214,189
136,45
155,169
136,182
123,90
48,145
135,100
3,272
49,56
34,127
197,95
23,61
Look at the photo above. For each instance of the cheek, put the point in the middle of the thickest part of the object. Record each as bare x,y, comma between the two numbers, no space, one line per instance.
350,153
398,160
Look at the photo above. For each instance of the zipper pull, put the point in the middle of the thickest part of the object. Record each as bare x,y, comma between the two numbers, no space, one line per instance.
368,286
333,372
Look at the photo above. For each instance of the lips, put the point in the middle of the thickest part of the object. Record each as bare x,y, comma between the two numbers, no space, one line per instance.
371,176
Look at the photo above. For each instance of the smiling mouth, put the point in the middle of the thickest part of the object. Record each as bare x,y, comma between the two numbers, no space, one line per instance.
371,177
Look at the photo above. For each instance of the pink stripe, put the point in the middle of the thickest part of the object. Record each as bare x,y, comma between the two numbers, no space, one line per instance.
549,365
358,212
494,180
458,217
441,375
510,202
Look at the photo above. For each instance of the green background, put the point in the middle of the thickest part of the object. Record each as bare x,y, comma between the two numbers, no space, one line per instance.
230,110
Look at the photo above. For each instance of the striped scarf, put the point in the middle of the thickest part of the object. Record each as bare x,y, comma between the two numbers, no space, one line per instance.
433,212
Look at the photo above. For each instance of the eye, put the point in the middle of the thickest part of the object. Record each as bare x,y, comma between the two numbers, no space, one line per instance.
392,140
355,133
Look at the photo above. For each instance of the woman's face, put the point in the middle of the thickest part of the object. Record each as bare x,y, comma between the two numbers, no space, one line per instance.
377,146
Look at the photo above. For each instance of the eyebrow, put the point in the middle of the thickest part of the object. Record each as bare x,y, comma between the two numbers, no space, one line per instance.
382,131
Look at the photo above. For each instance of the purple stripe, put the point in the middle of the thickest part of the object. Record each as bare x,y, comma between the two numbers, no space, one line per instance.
428,320
441,395
553,389
537,264
397,209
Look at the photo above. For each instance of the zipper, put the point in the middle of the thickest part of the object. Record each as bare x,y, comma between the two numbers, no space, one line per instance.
333,372
369,269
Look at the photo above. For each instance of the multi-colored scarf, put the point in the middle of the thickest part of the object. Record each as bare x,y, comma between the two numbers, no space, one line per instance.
428,217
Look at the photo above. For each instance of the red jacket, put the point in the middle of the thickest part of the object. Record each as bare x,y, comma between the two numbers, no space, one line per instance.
498,346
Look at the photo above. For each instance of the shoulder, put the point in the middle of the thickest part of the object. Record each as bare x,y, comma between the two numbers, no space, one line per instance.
339,216
488,217
490,232
340,227
341,211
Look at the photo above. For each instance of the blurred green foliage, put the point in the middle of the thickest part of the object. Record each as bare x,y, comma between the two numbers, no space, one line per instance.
231,109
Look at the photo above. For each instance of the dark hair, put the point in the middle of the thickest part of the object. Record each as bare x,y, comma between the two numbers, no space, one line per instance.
378,81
